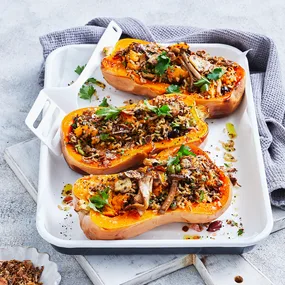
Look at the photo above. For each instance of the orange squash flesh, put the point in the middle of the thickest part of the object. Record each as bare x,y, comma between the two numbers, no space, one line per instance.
95,225
131,157
116,75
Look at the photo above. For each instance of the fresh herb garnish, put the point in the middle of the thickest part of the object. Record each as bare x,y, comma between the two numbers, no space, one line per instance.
240,232
104,103
163,62
79,69
86,92
104,137
216,74
96,82
173,165
201,82
201,196
162,111
175,125
98,201
79,149
226,165
173,89
110,112
204,83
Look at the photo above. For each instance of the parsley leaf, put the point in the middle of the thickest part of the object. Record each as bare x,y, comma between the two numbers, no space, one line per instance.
173,89
110,112
216,74
240,232
79,69
98,201
104,137
163,61
86,92
185,151
201,196
201,82
162,111
96,82
104,103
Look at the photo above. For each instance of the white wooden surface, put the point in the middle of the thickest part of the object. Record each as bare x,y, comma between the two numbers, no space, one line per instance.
133,269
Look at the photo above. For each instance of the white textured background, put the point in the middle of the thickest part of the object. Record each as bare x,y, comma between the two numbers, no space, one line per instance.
23,21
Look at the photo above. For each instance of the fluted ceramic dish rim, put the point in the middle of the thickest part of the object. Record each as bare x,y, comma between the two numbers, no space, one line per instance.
50,275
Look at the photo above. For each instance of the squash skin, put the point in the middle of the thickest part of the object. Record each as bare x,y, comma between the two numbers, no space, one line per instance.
97,226
115,74
133,157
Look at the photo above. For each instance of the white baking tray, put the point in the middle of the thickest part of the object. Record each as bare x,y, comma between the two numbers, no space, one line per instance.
250,203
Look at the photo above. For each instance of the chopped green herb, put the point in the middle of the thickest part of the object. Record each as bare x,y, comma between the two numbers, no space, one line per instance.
231,130
216,74
175,125
163,62
201,82
172,161
79,149
110,112
185,151
96,82
79,69
98,201
104,103
204,88
162,111
173,89
240,232
201,196
226,165
86,92
104,137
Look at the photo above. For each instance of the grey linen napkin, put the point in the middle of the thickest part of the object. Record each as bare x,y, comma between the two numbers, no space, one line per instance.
265,71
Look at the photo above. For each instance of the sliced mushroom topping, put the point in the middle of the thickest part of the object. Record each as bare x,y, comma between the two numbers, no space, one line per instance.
190,67
134,174
138,198
219,86
199,63
123,185
190,78
145,188
172,192
150,162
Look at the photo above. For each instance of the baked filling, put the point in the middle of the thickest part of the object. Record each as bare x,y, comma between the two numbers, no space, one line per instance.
186,71
181,181
104,134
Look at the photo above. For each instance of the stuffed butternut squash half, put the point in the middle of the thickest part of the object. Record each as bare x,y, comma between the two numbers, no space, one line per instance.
105,140
180,184
150,69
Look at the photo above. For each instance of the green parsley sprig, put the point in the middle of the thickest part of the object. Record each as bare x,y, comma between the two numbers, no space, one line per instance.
98,201
173,163
163,62
204,82
161,111
172,89
109,112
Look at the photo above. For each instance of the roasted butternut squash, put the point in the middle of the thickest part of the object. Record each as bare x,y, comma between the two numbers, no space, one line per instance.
180,184
105,140
149,69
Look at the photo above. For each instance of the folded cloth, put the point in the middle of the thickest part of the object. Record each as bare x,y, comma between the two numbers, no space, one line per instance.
264,66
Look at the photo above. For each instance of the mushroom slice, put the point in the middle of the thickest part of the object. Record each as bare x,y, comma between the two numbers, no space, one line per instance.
134,174
190,66
145,188
199,63
170,197
123,185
